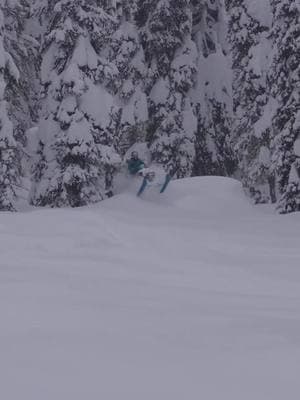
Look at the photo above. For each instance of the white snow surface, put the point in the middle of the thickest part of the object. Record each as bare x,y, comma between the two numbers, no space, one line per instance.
297,147
191,295
214,79
260,10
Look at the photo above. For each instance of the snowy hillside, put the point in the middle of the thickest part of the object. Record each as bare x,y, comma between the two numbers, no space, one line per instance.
194,294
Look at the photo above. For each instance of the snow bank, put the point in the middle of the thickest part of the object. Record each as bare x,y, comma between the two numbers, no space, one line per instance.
261,11
194,294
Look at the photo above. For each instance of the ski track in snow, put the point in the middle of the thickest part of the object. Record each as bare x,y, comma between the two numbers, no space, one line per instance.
190,295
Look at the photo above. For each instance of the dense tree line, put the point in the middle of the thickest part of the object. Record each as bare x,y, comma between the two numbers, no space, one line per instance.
265,47
210,86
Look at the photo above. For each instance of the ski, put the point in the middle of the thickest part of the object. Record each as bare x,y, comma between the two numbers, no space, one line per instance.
162,188
149,180
168,179
142,187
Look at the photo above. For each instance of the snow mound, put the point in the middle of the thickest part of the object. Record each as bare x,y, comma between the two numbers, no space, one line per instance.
187,295
203,196
209,195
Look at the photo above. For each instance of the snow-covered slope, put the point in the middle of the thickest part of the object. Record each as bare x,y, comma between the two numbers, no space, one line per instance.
195,294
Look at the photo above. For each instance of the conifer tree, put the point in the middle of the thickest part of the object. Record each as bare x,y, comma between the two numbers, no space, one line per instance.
250,47
128,55
170,53
284,78
77,158
10,168
212,95
22,93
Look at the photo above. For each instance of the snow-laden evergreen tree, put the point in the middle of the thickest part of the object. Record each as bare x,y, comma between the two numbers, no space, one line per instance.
128,55
10,166
284,80
77,158
249,26
166,29
265,45
212,95
21,94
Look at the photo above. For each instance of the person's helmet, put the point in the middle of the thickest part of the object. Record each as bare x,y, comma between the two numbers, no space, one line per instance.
134,154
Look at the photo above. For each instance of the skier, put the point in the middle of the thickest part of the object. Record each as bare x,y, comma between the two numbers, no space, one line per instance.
135,164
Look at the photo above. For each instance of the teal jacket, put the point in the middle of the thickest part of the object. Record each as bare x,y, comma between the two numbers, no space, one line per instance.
134,166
